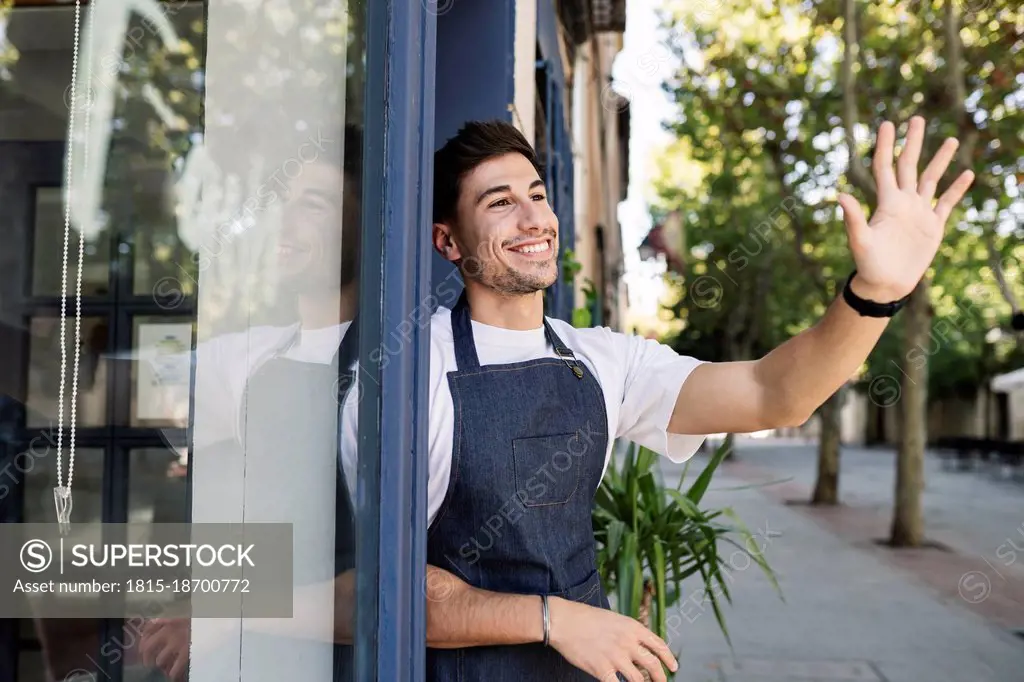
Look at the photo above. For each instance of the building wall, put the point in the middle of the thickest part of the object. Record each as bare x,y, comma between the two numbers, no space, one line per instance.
958,417
1016,405
597,172
976,417
853,418
525,67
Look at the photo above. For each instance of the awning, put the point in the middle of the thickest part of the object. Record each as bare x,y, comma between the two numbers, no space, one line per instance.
1011,381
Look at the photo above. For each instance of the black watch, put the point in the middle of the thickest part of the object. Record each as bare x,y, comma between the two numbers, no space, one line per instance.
868,308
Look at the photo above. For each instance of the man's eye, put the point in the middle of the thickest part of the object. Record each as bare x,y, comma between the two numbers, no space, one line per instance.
500,202
539,197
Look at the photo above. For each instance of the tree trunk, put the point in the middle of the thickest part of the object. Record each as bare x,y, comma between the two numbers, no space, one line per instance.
826,489
907,522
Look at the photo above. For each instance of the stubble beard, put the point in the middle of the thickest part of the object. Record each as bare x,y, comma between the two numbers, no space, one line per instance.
513,282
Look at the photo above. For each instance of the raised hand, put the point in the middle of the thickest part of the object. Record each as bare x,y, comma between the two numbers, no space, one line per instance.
895,248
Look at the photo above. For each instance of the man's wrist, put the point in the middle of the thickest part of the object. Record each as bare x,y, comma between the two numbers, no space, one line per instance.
874,293
546,617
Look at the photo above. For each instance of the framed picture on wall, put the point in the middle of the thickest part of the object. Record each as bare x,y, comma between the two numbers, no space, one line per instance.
162,373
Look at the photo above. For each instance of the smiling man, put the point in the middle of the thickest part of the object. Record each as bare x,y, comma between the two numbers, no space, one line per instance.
525,409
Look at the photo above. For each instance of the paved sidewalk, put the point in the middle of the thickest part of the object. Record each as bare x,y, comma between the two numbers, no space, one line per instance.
852,611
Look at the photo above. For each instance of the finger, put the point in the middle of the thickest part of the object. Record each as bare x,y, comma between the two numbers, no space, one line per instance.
612,675
857,229
657,646
910,155
885,178
952,196
929,181
629,671
149,647
177,672
652,664
166,658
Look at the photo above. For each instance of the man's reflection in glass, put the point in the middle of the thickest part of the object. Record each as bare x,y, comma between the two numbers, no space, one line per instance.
276,391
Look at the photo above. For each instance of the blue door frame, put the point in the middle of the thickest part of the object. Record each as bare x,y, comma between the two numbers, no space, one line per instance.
398,154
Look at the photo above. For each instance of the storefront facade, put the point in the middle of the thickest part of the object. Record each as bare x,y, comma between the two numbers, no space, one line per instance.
236,168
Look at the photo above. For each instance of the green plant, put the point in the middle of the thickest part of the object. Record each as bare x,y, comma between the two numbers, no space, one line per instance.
651,538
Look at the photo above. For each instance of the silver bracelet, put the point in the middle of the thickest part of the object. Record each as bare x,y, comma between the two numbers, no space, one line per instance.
547,619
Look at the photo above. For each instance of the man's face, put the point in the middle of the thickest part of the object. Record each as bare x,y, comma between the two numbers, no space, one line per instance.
506,233
318,248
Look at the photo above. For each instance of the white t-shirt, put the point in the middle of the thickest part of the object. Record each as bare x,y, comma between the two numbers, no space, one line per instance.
225,363
640,378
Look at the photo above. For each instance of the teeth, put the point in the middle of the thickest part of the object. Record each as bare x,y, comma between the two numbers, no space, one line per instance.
533,248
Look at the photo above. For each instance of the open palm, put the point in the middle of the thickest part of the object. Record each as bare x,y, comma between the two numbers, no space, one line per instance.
893,250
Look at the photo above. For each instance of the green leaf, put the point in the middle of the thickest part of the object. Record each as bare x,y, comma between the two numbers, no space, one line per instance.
582,318
616,530
627,576
700,486
659,587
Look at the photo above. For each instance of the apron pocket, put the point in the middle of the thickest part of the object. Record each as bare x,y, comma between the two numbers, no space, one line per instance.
587,592
546,471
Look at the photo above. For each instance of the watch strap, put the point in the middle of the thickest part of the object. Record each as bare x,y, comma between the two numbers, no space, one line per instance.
868,308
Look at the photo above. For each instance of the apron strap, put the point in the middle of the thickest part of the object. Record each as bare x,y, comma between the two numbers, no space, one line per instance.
344,359
561,350
348,349
465,348
462,329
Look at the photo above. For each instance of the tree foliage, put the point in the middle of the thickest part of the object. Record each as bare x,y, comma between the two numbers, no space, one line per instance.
775,113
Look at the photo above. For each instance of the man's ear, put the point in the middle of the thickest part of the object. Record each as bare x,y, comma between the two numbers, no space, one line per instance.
444,242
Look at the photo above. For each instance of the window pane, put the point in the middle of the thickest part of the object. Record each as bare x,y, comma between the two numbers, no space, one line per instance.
44,372
157,486
62,645
277,287
59,649
216,156
47,251
160,382
171,77
41,478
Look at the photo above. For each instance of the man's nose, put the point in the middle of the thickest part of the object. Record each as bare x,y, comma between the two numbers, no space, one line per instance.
535,218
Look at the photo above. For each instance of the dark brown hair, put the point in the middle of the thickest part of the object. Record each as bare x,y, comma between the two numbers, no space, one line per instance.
475,143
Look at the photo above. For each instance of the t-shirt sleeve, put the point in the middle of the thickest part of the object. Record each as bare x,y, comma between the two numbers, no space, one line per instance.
654,375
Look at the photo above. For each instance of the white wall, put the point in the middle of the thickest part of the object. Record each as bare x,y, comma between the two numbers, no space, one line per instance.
853,417
525,67
1016,407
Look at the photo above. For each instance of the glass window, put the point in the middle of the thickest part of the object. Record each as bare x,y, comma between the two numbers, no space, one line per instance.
160,385
44,371
157,480
54,648
216,182
48,233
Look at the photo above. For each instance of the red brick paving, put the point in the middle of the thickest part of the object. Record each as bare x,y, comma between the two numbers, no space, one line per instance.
970,581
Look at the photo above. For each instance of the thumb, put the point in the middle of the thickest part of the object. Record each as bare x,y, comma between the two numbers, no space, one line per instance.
856,223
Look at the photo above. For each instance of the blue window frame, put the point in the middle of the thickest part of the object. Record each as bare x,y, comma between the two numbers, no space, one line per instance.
399,142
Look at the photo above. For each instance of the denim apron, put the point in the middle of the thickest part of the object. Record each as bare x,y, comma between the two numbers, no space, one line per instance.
287,397
527,458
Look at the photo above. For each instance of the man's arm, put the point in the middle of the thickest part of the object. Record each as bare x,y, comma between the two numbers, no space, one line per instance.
595,640
460,615
892,253
784,387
